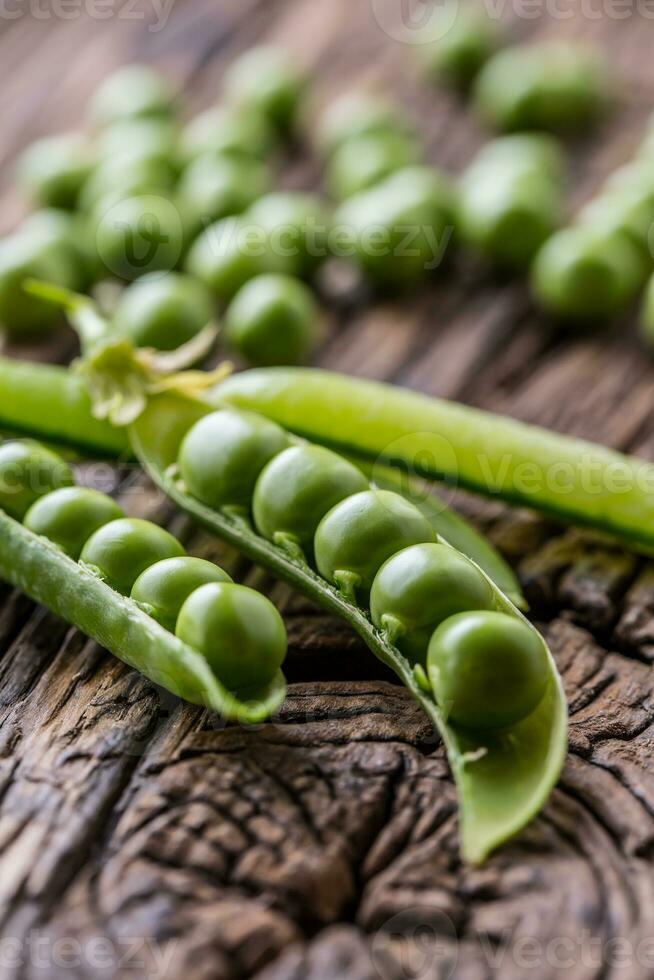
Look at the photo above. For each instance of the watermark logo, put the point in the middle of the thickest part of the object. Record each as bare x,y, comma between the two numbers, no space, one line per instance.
416,21
154,13
139,235
419,943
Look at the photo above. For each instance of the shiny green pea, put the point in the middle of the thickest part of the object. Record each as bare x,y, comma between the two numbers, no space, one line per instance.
123,175
554,85
488,670
519,153
215,186
420,587
457,41
163,588
359,534
398,231
297,488
628,212
131,91
225,256
232,130
163,311
579,274
120,551
508,216
24,257
238,630
272,320
362,161
69,516
291,229
138,235
266,79
53,170
222,455
64,233
141,137
28,471
357,114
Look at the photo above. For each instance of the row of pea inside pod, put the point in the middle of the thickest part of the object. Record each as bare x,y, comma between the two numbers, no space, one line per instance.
488,670
238,631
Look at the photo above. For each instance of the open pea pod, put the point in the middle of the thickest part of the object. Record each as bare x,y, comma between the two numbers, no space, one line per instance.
571,479
43,572
503,779
52,403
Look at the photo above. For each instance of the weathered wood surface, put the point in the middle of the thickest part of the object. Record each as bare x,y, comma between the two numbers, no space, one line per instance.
138,836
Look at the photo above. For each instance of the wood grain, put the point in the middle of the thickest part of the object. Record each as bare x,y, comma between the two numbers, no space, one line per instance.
139,836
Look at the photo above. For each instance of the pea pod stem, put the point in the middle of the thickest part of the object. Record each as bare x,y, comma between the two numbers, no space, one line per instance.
503,779
40,570
567,478
52,403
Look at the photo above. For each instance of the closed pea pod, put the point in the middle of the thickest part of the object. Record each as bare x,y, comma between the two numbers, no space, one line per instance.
223,454
238,630
295,491
29,471
421,586
356,537
120,551
163,588
488,670
69,516
272,320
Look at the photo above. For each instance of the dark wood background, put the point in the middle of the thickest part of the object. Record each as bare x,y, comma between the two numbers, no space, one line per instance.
139,836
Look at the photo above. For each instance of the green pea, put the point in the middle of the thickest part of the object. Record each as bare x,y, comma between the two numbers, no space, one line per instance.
399,230
223,454
141,137
138,235
647,316
357,114
356,537
265,79
69,516
163,588
216,186
272,320
120,551
124,175
519,153
362,161
28,471
420,587
64,233
580,274
457,42
132,91
53,169
163,311
488,670
31,257
626,212
508,216
225,256
238,630
291,226
297,488
555,85
235,130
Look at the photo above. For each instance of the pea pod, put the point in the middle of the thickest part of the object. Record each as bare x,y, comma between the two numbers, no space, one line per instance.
44,573
503,779
568,478
50,402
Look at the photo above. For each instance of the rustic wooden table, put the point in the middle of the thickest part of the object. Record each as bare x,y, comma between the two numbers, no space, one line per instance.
138,836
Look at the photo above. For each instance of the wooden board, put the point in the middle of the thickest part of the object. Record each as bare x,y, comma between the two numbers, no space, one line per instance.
139,836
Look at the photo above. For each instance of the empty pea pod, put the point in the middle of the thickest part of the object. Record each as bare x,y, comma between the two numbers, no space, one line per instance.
38,557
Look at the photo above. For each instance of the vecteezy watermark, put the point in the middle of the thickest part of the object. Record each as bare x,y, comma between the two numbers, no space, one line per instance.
146,956
138,235
155,13
418,943
428,21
